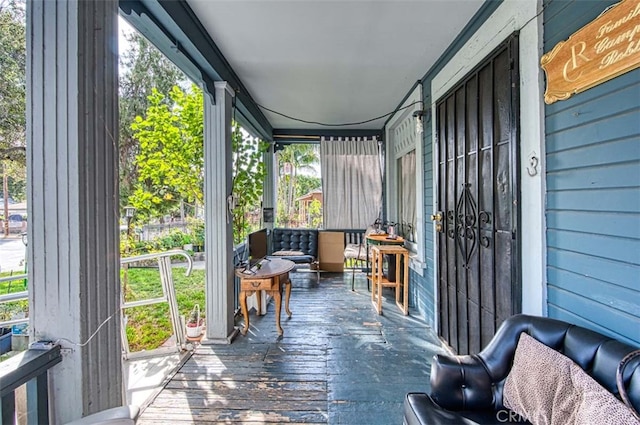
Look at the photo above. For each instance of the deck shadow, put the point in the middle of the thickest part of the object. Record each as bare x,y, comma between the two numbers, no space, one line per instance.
338,362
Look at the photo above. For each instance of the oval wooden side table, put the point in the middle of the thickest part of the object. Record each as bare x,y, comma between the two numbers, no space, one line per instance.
268,275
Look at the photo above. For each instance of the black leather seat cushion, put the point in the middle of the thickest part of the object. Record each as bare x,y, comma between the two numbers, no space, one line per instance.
420,409
298,259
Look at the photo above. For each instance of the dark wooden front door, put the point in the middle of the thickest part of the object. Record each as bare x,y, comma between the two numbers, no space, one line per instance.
477,198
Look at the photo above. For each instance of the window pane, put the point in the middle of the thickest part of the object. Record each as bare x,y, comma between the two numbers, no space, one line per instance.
407,195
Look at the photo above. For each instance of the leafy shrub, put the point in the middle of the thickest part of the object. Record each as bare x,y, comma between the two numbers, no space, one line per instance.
175,239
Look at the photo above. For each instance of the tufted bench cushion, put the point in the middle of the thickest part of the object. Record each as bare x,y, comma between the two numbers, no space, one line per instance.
304,241
298,259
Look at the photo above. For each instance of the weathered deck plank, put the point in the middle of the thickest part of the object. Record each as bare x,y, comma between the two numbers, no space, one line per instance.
338,362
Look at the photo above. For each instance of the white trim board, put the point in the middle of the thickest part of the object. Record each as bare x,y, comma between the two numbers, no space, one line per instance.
404,120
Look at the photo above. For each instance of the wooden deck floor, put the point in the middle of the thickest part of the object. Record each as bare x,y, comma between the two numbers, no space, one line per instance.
337,363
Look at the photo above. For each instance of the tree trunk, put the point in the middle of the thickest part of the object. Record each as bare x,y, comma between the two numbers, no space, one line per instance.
5,185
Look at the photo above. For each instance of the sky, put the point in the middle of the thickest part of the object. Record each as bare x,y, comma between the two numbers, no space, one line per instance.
123,29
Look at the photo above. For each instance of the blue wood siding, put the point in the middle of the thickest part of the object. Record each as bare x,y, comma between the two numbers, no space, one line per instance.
593,193
422,296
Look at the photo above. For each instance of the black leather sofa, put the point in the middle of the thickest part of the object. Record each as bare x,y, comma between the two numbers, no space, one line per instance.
468,389
296,240
301,240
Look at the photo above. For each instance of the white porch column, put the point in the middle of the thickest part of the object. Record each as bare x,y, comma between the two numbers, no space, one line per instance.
72,162
218,231
270,189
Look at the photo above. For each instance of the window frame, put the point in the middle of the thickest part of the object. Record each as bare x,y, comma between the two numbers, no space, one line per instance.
401,138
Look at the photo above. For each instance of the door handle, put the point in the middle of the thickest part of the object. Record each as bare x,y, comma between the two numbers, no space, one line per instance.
437,217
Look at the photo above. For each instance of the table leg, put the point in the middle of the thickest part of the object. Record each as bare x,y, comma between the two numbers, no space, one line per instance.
397,260
373,278
369,270
379,304
277,294
376,281
259,301
287,291
406,284
245,312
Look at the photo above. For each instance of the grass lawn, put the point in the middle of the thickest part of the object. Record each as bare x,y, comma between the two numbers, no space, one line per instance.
148,327
12,285
9,309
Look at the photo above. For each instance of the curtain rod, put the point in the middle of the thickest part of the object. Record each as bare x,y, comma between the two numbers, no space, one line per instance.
292,136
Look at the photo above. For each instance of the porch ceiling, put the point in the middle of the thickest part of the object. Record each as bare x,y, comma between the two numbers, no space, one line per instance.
332,61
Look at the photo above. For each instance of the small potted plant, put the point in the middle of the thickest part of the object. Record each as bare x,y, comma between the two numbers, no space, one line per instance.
187,243
195,322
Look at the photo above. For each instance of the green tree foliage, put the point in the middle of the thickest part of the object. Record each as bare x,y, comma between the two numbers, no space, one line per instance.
315,213
248,177
13,51
18,188
170,161
306,184
291,160
142,68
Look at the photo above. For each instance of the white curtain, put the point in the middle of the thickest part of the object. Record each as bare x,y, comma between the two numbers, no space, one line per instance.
351,182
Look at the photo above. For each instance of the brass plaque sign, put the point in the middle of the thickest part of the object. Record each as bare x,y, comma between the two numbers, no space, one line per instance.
601,50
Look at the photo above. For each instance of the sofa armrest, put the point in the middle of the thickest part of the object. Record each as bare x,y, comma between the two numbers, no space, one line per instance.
462,383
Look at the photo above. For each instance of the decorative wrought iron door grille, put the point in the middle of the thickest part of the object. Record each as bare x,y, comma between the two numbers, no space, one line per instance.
476,151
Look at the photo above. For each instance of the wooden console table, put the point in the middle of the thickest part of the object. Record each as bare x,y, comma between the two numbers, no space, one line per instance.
269,276
379,239
378,280
384,239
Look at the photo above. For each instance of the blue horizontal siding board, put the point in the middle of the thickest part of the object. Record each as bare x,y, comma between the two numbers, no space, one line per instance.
581,12
599,223
558,312
610,176
622,249
625,85
607,270
592,144
624,126
605,293
429,255
612,319
617,151
421,296
625,200
614,103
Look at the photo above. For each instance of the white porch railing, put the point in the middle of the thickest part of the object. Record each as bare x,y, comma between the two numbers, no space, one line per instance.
169,297
14,296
